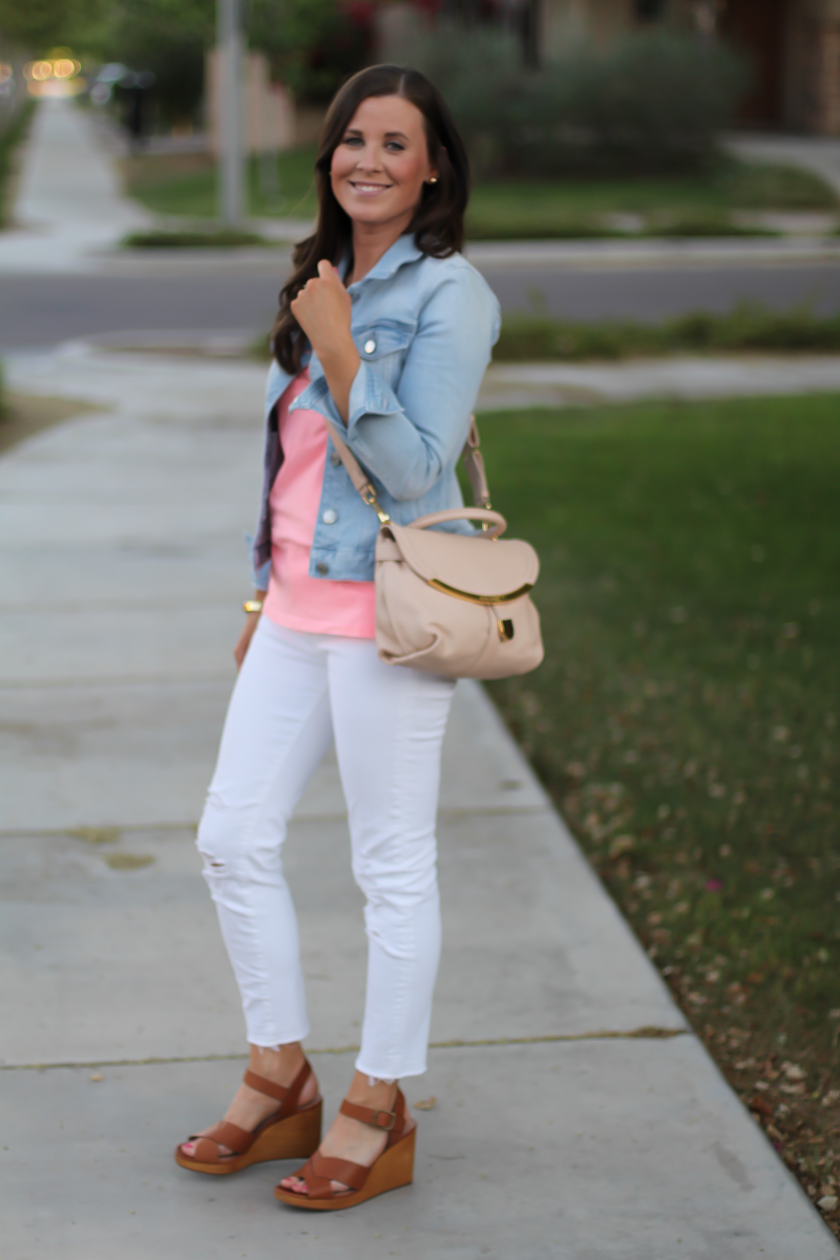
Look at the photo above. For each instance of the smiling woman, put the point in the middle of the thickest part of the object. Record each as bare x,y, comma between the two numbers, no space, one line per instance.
377,176
390,160
383,159
384,334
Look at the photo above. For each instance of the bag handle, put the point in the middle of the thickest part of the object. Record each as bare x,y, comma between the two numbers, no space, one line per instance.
473,461
493,523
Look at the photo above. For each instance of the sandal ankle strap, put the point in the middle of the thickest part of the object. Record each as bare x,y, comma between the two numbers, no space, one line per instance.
288,1095
385,1121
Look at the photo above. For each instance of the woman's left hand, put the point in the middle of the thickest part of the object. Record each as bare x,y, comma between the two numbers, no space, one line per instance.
322,308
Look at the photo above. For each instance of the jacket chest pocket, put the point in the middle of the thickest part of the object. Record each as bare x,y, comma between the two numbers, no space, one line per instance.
384,346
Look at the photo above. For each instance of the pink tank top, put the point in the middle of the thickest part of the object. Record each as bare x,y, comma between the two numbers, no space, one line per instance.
295,599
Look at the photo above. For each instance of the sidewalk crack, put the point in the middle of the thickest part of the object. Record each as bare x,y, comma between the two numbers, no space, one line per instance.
647,1033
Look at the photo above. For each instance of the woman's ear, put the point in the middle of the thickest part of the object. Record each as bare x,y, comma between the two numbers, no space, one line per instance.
436,170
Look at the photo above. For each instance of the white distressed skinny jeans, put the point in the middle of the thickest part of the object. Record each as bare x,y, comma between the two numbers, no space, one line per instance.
296,694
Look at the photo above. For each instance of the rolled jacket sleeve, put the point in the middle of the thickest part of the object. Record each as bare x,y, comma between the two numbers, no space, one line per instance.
261,576
406,436
259,573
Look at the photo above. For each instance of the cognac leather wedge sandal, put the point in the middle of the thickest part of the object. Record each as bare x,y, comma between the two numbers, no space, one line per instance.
393,1168
290,1133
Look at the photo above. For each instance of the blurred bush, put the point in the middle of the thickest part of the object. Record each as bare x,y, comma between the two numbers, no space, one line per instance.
194,238
13,127
39,24
312,45
167,38
749,327
649,103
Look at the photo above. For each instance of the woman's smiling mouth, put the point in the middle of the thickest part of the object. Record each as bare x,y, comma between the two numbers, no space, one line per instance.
359,187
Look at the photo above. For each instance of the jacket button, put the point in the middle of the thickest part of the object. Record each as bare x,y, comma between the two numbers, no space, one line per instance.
335,459
370,346
330,517
322,568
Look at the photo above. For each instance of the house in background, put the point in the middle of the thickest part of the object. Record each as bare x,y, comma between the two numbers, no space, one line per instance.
794,46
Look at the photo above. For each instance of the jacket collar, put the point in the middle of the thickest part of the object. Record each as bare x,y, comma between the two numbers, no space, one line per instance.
401,252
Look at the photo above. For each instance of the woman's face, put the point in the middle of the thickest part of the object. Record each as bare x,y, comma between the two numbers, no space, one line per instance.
382,161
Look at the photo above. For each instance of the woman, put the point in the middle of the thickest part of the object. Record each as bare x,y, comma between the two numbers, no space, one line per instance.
384,330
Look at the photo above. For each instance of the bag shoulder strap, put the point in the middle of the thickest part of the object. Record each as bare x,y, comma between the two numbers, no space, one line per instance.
350,462
472,457
474,463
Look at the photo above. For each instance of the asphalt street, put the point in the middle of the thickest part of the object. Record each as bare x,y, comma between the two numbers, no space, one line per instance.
650,294
42,310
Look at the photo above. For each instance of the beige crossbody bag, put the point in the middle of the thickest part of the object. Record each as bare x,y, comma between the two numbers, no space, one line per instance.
452,604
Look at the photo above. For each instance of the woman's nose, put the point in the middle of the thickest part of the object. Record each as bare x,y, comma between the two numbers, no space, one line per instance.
369,159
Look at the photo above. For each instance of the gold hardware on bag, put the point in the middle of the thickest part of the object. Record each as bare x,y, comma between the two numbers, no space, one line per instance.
369,495
480,599
505,630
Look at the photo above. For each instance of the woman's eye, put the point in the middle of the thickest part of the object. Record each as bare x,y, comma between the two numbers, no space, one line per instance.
354,140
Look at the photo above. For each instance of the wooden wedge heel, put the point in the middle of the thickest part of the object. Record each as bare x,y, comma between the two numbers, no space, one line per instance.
393,1168
292,1132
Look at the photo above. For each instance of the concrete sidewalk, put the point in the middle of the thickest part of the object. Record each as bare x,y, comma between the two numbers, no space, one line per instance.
608,255
509,385
69,201
679,378
577,1116
819,154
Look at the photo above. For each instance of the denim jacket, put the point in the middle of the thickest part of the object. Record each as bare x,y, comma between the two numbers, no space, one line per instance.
424,328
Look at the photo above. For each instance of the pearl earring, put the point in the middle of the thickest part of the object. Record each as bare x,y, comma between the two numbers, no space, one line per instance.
433,179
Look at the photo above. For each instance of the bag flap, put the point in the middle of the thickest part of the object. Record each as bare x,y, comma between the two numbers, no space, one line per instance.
478,567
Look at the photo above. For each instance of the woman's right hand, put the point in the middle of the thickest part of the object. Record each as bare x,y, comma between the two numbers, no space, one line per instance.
244,640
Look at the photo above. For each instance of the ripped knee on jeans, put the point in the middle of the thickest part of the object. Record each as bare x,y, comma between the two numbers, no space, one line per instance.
211,859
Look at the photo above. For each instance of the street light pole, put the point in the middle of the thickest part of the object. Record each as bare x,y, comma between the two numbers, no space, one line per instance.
232,164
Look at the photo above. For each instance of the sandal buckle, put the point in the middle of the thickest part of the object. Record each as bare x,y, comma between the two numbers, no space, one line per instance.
391,1120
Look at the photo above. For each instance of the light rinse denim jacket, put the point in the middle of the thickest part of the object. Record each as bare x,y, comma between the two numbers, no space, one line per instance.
424,328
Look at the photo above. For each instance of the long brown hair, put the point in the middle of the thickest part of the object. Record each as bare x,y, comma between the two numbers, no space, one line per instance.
438,224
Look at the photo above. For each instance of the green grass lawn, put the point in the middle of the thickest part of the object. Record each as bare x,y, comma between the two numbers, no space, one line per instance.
199,238
686,717
186,185
534,209
748,328
10,138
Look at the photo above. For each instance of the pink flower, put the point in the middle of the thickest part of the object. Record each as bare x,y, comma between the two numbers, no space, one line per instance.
714,885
